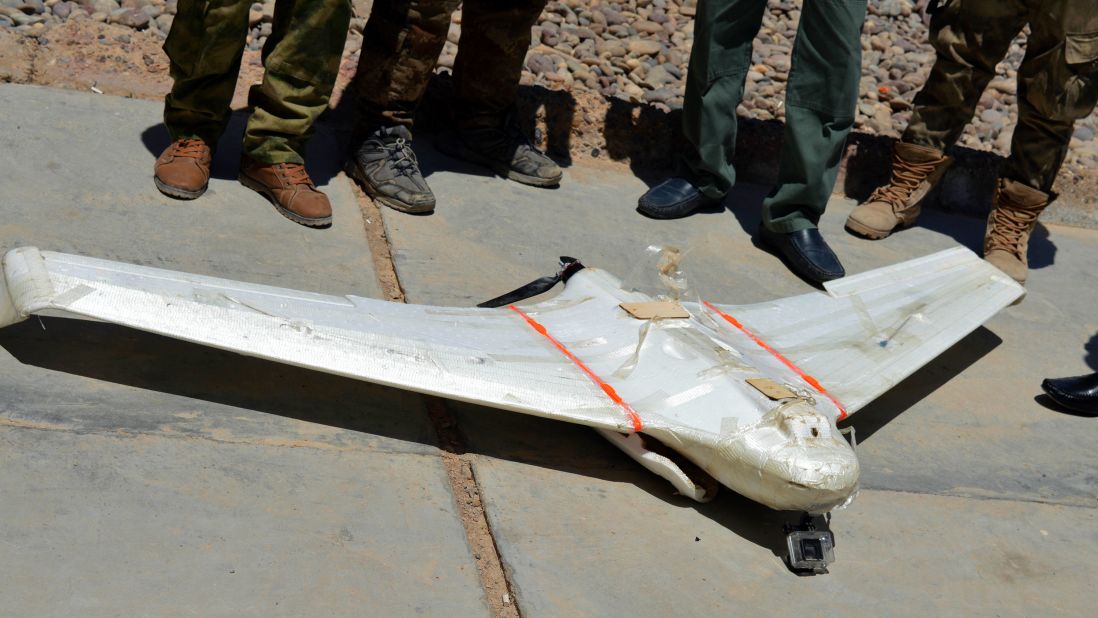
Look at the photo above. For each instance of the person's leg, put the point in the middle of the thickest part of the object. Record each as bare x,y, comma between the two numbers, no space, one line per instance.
819,110
301,60
820,102
1057,85
970,37
204,48
400,47
495,35
724,31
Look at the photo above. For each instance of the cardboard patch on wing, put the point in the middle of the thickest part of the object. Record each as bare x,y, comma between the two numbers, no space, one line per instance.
772,389
650,310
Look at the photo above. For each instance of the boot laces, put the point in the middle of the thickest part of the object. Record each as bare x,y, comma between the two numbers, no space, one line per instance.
296,174
906,176
1010,226
402,156
190,148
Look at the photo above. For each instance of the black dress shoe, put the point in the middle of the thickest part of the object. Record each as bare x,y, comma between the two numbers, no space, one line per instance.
806,253
1079,394
672,198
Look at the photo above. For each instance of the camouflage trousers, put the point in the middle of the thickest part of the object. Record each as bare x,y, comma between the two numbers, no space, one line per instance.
1057,81
401,45
301,60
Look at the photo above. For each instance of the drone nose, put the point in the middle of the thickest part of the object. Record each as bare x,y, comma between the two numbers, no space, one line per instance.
815,457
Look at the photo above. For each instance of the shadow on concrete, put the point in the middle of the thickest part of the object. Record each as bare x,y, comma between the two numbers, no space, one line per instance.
919,385
1091,348
745,202
968,183
141,360
436,115
651,139
1048,403
577,450
324,156
647,137
969,232
152,362
431,161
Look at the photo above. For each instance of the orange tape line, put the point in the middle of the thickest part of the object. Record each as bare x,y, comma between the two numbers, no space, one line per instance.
762,344
606,388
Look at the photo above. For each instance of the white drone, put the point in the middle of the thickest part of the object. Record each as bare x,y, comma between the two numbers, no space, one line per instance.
695,391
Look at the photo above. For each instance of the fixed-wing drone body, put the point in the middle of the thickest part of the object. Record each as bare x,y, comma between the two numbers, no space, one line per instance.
695,391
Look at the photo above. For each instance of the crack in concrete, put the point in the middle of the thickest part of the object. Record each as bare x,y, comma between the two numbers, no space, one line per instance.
464,487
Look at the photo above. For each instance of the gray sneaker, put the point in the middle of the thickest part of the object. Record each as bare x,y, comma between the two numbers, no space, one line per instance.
387,169
505,150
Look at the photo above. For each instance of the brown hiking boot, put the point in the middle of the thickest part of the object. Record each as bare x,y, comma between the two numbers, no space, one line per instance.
1014,212
290,190
183,169
915,171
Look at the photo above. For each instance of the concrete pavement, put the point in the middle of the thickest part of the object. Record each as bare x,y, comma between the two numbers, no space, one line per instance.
144,476
140,475
976,499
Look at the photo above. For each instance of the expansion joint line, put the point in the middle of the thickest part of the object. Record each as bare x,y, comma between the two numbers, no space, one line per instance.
464,487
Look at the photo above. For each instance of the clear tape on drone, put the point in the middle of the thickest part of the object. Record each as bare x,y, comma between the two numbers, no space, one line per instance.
682,382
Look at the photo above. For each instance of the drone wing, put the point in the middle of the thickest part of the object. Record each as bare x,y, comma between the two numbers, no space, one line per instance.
870,331
488,356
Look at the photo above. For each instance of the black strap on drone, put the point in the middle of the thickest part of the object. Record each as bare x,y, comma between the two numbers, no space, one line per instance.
568,267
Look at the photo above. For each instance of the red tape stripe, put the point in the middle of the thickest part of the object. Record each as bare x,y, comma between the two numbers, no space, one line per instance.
606,388
762,344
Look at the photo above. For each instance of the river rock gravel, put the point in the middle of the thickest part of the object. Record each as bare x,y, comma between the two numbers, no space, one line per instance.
637,51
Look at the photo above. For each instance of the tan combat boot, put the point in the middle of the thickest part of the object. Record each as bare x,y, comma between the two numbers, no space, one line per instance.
183,169
915,171
1014,212
290,190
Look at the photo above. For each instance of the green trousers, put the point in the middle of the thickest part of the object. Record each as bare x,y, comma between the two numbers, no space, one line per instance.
300,59
1057,81
401,45
820,101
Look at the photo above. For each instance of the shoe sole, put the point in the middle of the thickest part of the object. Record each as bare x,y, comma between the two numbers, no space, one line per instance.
459,151
1064,402
176,192
865,231
259,188
352,170
677,211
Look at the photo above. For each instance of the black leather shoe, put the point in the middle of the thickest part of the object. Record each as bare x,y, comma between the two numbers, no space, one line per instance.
1079,394
671,199
806,253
